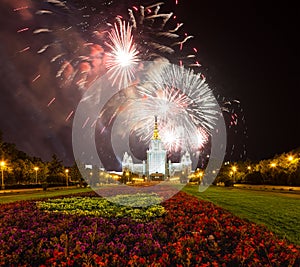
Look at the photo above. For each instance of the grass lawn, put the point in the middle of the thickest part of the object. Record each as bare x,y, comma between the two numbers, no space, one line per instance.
279,212
30,195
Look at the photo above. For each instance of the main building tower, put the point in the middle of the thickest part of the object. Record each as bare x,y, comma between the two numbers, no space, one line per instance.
156,155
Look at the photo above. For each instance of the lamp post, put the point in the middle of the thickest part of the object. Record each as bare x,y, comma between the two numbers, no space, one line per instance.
234,169
200,177
91,180
2,164
36,169
273,169
127,177
67,177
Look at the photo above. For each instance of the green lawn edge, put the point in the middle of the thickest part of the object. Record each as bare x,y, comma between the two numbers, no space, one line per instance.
278,212
36,195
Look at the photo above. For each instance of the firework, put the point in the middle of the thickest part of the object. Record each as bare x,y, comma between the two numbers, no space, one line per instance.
151,27
122,59
82,43
103,40
183,102
164,90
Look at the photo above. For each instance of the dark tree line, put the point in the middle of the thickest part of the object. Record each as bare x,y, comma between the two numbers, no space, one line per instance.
21,168
283,169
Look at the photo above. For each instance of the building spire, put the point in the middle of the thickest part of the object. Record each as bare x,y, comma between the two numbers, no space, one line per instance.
155,132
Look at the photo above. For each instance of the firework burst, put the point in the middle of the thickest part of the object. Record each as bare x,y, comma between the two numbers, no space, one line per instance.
183,102
98,44
122,59
84,41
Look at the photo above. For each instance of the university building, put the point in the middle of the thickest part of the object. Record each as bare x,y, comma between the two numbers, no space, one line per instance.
157,166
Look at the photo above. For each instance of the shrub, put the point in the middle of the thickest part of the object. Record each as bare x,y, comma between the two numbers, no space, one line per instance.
254,178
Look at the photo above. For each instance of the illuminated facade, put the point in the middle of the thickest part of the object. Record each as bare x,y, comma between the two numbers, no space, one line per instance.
156,154
157,166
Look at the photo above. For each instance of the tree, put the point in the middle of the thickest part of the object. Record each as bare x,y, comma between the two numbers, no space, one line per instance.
56,170
254,177
42,173
126,176
75,174
18,171
1,144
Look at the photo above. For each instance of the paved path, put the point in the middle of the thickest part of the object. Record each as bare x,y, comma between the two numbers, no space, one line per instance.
28,190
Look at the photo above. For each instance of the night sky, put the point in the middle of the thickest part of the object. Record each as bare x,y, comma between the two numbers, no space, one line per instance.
248,51
251,52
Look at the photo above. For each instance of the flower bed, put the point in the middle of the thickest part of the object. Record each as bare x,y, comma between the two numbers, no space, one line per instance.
101,207
191,233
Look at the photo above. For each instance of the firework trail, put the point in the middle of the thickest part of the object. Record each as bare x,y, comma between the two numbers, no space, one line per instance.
236,128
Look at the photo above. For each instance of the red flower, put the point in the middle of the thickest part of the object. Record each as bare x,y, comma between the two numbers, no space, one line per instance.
142,260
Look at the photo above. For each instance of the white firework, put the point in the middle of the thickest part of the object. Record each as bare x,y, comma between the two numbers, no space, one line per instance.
185,106
194,96
122,59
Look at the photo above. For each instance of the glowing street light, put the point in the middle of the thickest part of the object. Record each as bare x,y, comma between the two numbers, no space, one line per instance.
273,165
290,158
200,176
36,169
234,169
67,177
2,164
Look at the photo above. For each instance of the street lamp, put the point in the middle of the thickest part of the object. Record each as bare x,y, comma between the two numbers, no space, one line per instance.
36,169
67,176
273,168
2,164
273,165
234,169
200,177
90,179
127,177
